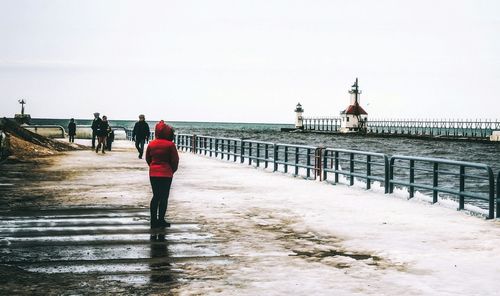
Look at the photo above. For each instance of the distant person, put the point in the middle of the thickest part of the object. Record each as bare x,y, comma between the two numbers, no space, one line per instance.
95,125
102,134
110,139
72,130
140,134
162,158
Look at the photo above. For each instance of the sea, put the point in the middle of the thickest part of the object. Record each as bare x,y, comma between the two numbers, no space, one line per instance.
477,152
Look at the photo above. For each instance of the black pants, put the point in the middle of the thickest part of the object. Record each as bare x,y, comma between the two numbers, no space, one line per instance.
71,138
159,202
139,145
94,135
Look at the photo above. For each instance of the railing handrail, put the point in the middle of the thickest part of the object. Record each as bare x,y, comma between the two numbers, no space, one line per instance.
490,196
356,151
441,161
296,146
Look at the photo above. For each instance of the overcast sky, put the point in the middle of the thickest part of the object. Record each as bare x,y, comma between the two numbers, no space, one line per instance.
249,61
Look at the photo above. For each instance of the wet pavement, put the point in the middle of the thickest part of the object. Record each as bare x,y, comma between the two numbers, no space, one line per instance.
112,245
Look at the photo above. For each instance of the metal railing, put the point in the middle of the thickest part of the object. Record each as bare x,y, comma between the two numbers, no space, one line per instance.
498,195
185,142
299,157
468,181
433,169
258,153
369,166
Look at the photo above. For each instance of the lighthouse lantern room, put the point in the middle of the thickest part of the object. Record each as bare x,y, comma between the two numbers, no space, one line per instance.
354,117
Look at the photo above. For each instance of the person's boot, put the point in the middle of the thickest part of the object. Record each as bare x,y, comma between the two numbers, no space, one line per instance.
163,223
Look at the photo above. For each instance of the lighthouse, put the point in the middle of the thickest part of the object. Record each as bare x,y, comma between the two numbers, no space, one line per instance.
298,117
354,117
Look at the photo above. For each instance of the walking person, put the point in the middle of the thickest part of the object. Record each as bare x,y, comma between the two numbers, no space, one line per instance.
102,133
95,125
72,130
163,159
140,134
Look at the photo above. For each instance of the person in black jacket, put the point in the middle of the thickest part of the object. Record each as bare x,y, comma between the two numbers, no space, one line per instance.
95,126
140,134
102,133
72,130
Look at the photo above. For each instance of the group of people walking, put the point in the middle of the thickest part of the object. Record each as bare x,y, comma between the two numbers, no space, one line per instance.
103,132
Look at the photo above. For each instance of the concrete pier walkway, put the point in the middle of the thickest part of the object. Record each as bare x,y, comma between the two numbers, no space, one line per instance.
79,225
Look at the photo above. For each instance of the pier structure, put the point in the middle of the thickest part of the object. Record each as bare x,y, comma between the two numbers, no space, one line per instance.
354,119
446,128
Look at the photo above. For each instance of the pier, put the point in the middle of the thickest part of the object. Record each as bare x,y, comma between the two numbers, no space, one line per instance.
430,128
81,225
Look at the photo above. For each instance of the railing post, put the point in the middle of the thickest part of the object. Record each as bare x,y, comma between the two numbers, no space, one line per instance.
336,160
211,146
435,182
193,144
266,155
324,159
461,203
391,175
258,155
275,157
216,152
296,161
351,168
386,174
242,151
412,178
498,196
249,153
368,171
286,159
235,149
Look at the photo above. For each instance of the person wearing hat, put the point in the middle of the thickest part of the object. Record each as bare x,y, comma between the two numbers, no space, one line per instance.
140,134
163,160
96,123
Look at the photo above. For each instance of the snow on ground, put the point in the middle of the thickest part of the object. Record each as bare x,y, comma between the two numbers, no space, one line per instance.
293,236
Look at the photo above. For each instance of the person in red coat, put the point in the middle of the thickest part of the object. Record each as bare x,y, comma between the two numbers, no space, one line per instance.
163,159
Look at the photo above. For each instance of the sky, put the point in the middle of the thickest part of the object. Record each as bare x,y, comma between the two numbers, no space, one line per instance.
249,61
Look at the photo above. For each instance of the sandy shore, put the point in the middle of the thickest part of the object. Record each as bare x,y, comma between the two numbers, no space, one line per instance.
79,225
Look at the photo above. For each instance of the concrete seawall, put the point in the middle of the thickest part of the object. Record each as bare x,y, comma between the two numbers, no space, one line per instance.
81,224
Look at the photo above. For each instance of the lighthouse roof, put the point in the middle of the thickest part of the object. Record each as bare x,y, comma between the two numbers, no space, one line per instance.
355,109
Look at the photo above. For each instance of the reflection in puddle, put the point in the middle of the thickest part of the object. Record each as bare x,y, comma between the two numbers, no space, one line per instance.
160,269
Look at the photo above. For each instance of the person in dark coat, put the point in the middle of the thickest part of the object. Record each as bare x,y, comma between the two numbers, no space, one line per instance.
95,126
72,130
163,160
140,134
102,133
110,139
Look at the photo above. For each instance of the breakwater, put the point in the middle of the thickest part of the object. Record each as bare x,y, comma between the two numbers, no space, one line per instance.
471,185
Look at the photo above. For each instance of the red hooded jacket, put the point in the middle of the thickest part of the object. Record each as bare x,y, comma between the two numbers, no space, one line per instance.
161,154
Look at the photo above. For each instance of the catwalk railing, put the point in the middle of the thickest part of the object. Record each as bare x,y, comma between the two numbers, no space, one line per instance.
420,127
467,183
